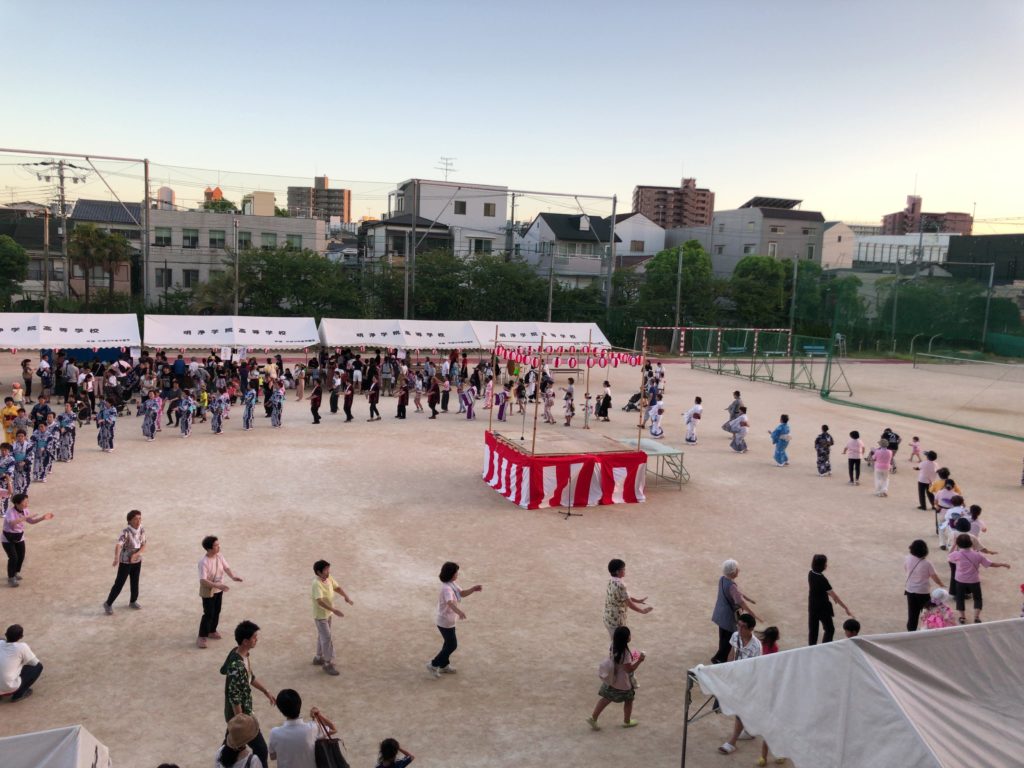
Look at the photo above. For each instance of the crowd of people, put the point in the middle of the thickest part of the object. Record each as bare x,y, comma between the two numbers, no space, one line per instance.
181,392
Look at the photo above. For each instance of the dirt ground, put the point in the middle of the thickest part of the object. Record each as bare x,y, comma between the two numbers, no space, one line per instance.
388,502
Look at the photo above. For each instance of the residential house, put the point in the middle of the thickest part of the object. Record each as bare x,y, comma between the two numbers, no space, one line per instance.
573,249
641,238
474,215
838,245
25,224
389,240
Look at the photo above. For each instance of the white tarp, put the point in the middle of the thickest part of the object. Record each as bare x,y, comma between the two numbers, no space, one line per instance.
399,334
71,747
948,697
215,331
527,333
55,330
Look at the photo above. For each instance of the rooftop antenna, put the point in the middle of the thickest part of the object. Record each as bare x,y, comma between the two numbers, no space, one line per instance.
446,165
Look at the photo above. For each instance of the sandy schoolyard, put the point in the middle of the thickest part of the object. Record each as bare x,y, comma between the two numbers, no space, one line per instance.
387,502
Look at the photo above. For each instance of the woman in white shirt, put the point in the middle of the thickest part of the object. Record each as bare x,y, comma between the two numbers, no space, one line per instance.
917,589
447,612
743,645
927,473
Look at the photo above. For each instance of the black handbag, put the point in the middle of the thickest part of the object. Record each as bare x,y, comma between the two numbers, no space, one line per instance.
327,750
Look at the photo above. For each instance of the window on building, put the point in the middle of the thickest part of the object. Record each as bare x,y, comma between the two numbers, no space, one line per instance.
244,241
127,234
636,246
517,249
749,247
481,245
808,230
773,249
719,250
190,278
163,236
775,229
216,238
721,227
810,251
268,240
460,207
293,241
839,238
190,238
490,209
750,226
164,277
35,269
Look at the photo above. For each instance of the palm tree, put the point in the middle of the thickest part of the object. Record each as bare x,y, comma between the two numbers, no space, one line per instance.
115,253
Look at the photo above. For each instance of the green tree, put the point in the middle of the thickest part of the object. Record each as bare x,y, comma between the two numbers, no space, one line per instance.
87,250
283,212
657,298
441,282
13,268
504,289
220,206
757,289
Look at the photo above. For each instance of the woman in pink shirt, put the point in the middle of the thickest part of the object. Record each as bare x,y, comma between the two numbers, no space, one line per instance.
855,450
883,463
968,577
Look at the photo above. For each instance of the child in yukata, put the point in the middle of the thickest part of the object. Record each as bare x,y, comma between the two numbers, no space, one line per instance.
53,446
488,392
150,408
40,453
21,449
248,407
657,431
549,403
466,397
501,401
567,398
217,413
186,407
9,414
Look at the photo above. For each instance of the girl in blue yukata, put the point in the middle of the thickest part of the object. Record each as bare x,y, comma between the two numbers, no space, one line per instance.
217,412
106,420
186,407
248,405
41,453
52,447
501,401
277,404
68,423
780,439
21,449
150,409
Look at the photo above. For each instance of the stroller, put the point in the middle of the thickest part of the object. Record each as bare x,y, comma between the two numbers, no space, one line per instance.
634,402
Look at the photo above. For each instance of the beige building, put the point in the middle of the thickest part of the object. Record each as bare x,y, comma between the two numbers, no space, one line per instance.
320,201
672,207
259,204
838,246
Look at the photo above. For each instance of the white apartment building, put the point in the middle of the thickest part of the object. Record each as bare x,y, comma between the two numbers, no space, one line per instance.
476,215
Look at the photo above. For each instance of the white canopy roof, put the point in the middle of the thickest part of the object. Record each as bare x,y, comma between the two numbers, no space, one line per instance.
53,330
947,697
70,747
207,331
527,333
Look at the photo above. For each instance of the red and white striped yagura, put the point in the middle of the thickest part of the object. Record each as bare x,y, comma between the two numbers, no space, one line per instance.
589,479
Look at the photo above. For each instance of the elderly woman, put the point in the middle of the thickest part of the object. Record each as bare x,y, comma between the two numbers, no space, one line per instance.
729,603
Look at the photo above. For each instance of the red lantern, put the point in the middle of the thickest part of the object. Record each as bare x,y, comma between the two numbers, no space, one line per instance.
550,349
603,362
14,351
615,363
558,362
573,362
572,350
535,362
123,349
97,349
632,360
590,362
560,350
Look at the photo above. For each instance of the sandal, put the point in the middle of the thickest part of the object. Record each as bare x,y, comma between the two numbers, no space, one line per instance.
727,748
631,724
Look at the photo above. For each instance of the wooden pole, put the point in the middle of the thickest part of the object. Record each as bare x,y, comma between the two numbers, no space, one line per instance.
586,386
536,397
643,380
494,379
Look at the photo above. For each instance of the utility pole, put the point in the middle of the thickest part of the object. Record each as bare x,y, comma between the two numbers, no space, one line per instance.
510,235
235,225
145,233
792,323
405,271
64,230
46,260
551,281
414,215
679,282
611,260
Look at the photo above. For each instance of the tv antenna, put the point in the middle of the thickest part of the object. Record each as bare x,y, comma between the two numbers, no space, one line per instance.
446,165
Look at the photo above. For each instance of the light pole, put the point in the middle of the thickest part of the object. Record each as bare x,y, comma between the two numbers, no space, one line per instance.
235,226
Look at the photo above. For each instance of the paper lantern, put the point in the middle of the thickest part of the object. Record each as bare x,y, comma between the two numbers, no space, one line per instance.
123,349
572,350
602,362
615,363
549,349
97,349
632,360
560,350
535,362
557,362
590,362
362,348
573,362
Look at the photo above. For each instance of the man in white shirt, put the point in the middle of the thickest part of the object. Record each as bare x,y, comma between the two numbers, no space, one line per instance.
19,667
291,744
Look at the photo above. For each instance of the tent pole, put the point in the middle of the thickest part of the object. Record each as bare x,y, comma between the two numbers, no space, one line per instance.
688,697
536,395
586,387
643,381
494,379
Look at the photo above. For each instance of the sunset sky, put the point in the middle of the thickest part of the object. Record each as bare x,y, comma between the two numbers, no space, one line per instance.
844,105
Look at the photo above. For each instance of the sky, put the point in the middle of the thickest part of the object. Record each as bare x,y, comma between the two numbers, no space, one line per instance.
847,106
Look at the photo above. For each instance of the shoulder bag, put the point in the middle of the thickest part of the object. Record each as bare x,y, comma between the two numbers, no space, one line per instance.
327,750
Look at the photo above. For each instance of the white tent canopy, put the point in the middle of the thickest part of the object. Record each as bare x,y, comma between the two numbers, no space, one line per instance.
70,747
53,330
949,697
527,333
209,331
454,334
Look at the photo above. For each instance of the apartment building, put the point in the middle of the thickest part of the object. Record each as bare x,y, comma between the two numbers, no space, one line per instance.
320,201
187,248
912,219
572,248
475,216
684,206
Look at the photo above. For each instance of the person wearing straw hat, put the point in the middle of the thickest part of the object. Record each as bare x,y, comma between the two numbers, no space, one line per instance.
235,752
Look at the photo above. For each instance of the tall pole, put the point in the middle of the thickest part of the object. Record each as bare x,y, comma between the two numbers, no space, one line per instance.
536,393
988,303
234,224
551,280
405,276
586,386
415,214
146,216
510,237
611,259
792,323
46,259
679,282
494,382
64,231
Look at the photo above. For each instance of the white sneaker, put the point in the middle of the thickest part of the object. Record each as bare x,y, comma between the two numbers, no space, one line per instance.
434,671
449,670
